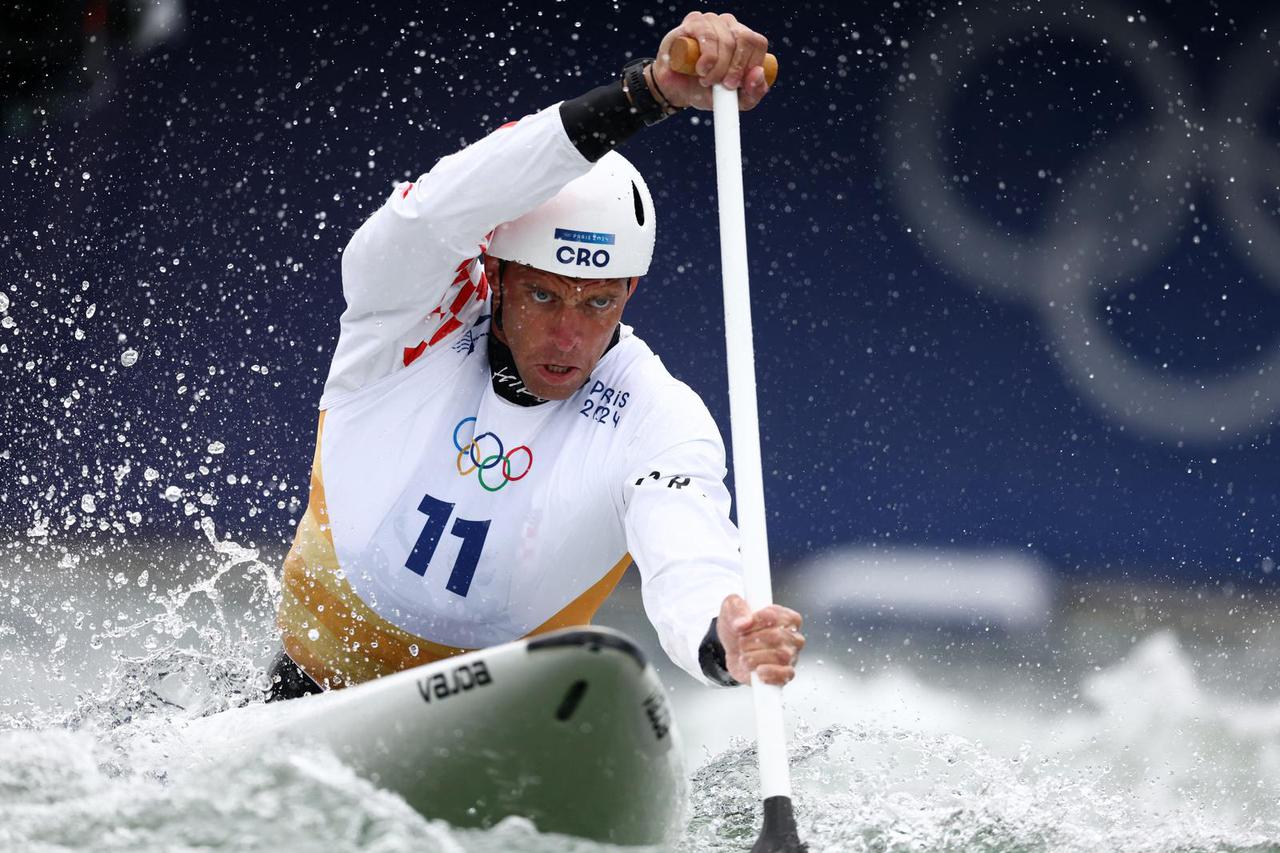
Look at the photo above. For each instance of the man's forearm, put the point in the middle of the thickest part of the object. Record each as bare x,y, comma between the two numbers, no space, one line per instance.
604,118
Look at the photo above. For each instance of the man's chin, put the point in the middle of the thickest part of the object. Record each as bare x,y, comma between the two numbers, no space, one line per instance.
552,393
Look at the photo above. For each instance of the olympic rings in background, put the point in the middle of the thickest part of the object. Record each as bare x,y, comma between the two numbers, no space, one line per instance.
1124,209
480,462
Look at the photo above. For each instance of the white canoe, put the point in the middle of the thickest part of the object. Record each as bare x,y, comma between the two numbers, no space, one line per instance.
570,729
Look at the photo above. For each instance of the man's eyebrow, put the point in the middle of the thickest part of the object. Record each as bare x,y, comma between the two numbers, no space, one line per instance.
615,282
538,283
543,284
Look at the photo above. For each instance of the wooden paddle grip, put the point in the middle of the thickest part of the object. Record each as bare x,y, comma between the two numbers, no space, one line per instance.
685,53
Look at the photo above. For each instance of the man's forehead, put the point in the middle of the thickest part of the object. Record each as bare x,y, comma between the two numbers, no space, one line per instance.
532,274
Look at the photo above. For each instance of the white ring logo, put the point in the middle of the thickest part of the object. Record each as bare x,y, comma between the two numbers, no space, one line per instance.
1130,201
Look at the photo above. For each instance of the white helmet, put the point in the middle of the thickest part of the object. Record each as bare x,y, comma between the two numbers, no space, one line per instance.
600,225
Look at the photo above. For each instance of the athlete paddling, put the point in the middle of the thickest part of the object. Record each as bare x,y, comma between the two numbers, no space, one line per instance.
495,447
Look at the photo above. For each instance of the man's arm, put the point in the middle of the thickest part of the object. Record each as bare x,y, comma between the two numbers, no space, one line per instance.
411,263
675,510
730,54
408,272
674,502
408,269
676,516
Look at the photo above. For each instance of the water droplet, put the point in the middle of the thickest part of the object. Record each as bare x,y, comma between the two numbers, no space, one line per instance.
217,447
87,504
129,357
173,494
313,635
4,301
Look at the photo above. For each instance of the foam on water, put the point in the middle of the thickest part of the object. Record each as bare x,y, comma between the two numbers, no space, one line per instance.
1154,763
1145,759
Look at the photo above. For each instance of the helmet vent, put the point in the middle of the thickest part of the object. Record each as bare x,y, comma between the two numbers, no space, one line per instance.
635,194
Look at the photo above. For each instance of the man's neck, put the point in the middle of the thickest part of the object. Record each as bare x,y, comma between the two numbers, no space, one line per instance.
507,382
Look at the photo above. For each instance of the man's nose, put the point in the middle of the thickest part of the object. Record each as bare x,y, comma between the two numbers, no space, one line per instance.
566,333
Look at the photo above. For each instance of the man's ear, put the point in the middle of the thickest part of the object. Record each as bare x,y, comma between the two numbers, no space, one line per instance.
490,268
493,269
632,284
493,274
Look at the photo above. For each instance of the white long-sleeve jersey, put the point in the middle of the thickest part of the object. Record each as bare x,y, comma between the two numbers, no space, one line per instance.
442,517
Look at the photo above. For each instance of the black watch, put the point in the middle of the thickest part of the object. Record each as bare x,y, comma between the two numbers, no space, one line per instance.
642,100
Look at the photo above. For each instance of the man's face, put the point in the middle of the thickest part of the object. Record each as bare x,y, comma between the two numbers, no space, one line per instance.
556,327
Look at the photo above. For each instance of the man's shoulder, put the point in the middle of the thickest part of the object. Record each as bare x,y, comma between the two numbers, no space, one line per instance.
633,376
634,363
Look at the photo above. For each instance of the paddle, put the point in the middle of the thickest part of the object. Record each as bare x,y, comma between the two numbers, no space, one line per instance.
778,834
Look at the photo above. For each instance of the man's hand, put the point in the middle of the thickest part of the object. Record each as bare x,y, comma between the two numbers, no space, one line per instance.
729,54
766,642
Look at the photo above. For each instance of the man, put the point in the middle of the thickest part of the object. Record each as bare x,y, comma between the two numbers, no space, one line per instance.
495,447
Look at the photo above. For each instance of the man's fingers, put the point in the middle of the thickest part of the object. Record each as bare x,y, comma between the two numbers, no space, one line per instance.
773,638
774,674
743,48
767,642
765,638
748,52
760,657
704,32
776,616
771,625
753,90
729,53
724,48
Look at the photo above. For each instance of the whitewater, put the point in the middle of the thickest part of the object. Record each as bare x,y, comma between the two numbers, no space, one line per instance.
1136,720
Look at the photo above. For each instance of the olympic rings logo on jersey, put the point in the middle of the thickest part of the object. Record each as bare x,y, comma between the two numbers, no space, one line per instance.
480,460
1111,217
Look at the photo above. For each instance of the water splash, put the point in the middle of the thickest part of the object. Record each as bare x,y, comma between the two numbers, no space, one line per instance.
1156,763
65,791
199,660
1153,761
882,788
191,649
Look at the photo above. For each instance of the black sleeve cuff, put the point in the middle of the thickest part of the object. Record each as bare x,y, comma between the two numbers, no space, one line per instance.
711,658
600,120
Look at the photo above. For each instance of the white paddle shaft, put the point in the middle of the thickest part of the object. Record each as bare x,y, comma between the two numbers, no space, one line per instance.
744,424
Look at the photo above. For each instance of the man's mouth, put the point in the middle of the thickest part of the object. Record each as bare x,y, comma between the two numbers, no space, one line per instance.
557,373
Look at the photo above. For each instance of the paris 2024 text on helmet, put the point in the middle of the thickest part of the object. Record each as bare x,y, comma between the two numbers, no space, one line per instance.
600,225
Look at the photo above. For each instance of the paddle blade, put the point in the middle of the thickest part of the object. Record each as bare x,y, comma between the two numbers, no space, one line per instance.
779,832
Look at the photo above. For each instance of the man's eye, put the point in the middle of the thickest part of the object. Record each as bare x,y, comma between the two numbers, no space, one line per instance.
541,296
601,302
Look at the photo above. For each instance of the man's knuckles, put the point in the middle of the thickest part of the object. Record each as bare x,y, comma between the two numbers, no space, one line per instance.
768,638
778,675
761,657
775,616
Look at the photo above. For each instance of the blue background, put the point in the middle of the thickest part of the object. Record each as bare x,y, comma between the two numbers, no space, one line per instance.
202,209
